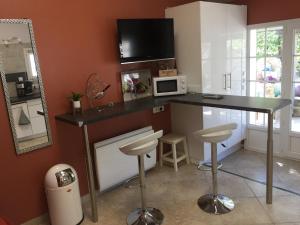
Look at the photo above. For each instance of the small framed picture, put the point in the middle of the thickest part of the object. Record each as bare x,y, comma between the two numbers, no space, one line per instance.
136,84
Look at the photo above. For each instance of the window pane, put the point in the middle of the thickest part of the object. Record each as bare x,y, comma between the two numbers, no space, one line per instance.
276,120
273,90
257,89
296,108
296,123
257,42
257,71
32,65
256,118
297,91
297,68
273,69
265,65
297,42
296,116
274,41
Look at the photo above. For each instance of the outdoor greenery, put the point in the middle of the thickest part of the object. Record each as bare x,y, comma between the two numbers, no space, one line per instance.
272,44
297,52
297,40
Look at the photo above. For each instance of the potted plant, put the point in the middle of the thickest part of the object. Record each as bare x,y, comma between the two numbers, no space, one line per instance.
76,103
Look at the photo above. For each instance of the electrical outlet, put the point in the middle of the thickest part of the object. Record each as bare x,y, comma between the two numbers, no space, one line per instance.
158,109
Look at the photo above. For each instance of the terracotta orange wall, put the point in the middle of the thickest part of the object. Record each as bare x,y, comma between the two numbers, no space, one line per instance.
74,39
262,11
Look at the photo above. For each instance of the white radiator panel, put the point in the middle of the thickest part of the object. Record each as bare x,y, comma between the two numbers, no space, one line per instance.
113,166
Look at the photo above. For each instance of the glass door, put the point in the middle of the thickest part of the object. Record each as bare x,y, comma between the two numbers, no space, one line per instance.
265,69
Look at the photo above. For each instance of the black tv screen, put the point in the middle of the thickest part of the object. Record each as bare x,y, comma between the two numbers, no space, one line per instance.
145,39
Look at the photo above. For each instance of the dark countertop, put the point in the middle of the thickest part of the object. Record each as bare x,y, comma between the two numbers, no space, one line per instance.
255,104
18,100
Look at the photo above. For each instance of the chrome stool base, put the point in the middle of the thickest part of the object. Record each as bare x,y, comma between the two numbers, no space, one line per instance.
207,166
216,204
149,216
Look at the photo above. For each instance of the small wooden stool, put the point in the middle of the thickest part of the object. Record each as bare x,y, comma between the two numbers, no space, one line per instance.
173,139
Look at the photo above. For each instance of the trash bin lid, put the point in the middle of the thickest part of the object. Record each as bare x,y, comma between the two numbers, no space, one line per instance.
60,175
65,177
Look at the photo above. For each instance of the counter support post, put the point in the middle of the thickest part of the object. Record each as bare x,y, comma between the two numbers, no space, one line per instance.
269,186
91,178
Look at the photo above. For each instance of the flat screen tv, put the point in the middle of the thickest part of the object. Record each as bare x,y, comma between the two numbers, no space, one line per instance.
145,39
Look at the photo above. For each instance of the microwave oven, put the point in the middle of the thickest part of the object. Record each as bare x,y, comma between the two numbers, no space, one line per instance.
174,85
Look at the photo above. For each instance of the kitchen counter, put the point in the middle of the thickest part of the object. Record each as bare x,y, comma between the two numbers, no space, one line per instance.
256,104
18,100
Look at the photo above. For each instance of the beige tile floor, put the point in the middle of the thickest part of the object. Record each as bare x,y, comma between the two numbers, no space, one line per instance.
33,142
176,194
252,164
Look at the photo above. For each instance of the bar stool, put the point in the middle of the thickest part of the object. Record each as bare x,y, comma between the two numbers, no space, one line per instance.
140,147
173,139
215,203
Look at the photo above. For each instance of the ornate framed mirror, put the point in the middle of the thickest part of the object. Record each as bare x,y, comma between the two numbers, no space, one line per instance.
23,86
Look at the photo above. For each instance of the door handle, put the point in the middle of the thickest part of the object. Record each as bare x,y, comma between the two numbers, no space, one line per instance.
40,113
225,81
230,80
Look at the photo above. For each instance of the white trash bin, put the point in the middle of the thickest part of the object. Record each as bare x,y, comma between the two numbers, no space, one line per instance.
62,190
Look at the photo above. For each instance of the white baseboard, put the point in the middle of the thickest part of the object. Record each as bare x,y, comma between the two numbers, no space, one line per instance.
253,149
290,156
41,220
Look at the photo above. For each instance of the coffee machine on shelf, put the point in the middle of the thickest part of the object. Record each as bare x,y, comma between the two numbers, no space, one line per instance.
23,87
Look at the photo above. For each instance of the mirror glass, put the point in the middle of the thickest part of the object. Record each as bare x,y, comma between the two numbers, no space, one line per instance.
22,85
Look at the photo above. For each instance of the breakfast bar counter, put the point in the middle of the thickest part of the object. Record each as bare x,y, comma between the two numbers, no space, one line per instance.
254,104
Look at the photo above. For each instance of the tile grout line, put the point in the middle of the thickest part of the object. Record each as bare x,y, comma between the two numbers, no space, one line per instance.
259,202
258,197
260,182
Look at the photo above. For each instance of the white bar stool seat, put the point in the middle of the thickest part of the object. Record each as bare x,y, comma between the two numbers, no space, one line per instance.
215,203
140,147
173,139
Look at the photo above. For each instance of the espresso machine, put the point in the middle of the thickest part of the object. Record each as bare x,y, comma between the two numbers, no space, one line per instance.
24,88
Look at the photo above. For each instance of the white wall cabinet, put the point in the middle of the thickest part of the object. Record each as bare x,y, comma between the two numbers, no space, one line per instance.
210,46
37,124
37,121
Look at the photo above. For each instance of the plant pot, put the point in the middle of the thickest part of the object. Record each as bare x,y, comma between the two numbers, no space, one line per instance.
76,104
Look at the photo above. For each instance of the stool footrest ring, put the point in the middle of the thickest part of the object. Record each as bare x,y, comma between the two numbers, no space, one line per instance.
148,216
207,166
